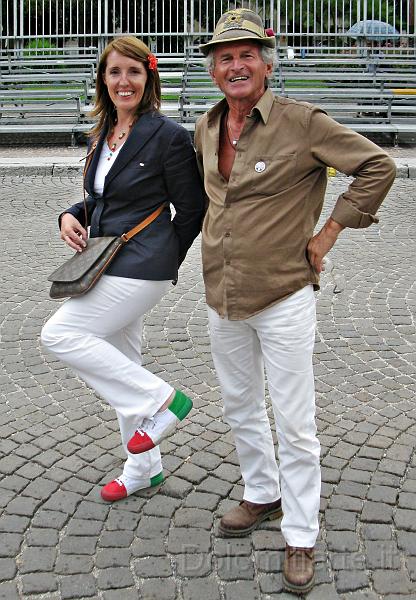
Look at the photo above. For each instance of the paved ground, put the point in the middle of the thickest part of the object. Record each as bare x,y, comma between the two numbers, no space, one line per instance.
59,442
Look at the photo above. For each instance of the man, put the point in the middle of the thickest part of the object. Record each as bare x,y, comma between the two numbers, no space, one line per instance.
264,162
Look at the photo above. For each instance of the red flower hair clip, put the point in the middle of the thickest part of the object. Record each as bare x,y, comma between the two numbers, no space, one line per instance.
152,60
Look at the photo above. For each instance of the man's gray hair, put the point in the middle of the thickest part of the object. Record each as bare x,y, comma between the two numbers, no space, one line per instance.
268,55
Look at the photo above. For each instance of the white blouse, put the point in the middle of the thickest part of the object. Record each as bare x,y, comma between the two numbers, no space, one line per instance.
106,161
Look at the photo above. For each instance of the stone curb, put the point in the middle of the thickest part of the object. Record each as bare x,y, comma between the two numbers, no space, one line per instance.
41,170
404,171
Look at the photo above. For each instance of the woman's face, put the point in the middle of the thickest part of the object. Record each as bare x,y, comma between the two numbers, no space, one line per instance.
125,79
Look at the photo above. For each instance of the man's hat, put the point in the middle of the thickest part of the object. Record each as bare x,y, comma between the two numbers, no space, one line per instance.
239,24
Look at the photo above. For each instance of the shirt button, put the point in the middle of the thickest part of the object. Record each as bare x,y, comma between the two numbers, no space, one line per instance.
227,205
227,234
227,262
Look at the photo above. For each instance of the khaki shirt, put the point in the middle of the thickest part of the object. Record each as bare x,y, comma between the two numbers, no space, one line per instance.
258,224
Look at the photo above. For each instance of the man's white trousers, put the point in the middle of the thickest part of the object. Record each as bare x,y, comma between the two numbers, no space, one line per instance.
99,336
281,339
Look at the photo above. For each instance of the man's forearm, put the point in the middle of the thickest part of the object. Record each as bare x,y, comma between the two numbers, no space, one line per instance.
322,242
333,227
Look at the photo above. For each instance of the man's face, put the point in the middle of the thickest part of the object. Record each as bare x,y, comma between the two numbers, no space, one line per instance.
239,70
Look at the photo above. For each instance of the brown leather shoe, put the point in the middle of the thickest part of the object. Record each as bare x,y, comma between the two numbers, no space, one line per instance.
245,518
298,570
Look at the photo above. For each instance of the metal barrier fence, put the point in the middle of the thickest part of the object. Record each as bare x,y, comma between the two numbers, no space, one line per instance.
170,25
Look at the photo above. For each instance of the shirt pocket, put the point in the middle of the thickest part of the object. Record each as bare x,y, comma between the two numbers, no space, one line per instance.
272,174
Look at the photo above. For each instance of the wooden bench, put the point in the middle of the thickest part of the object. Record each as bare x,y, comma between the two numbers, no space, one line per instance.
393,129
75,132
369,109
68,129
367,102
40,103
34,67
48,52
19,57
333,79
28,102
343,52
58,77
9,113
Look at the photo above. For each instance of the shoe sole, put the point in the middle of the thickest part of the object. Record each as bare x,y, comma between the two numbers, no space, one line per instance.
298,589
112,499
269,516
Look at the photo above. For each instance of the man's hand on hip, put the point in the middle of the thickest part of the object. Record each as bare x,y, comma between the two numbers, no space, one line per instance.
322,242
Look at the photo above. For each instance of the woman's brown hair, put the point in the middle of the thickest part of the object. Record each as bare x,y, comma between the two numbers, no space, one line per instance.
104,109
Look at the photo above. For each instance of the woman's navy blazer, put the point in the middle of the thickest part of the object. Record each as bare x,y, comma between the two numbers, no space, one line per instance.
155,165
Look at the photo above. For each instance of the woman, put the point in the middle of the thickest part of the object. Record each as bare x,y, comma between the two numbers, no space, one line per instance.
140,160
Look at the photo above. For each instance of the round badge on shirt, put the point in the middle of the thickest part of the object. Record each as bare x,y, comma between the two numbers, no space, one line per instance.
260,166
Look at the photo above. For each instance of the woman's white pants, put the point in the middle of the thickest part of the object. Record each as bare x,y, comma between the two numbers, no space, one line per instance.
281,339
99,336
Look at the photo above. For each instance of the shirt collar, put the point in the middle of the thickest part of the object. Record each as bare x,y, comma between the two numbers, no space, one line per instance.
263,108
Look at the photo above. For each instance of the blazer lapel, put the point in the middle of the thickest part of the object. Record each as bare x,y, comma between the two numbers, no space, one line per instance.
142,131
90,176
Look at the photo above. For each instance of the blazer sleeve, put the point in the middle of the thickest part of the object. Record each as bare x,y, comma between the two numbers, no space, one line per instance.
185,189
78,211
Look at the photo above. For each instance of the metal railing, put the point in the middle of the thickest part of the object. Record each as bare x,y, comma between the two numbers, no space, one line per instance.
169,25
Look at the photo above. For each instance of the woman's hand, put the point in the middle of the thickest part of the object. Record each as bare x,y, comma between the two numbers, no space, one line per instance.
73,233
322,242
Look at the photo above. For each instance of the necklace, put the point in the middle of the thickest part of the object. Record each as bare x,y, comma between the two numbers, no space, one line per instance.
120,136
231,137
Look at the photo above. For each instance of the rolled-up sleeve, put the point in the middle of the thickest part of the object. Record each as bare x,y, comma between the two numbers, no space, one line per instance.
349,152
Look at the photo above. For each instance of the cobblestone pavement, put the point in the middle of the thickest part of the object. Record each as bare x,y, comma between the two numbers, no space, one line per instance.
59,442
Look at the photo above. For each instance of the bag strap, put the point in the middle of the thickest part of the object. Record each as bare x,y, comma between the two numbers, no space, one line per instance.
86,167
125,236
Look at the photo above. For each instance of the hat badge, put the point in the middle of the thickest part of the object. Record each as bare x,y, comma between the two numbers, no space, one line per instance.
234,20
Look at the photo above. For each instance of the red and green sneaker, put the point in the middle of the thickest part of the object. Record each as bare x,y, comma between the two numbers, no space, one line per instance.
162,424
124,486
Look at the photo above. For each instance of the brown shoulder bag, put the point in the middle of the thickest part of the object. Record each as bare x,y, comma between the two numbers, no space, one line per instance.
81,272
